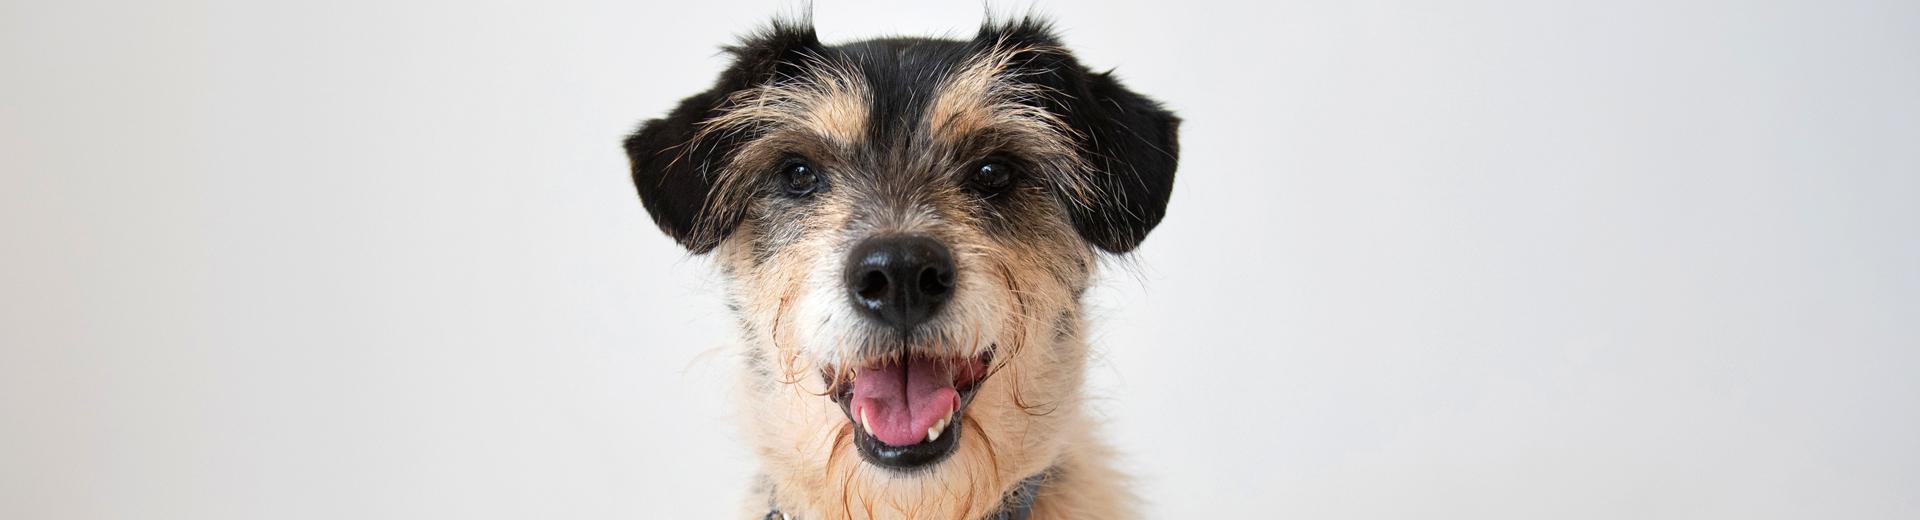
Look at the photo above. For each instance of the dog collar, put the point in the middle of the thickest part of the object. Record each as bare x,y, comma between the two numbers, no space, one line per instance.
1017,505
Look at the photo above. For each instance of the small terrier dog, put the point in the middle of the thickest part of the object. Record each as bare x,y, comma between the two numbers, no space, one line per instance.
906,228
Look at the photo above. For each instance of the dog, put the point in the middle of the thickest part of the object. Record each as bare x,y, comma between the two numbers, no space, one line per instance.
906,228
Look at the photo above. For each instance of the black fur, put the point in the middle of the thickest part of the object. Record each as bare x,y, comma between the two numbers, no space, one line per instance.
1129,140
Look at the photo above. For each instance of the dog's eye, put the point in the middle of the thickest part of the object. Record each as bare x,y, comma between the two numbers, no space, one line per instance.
799,178
992,176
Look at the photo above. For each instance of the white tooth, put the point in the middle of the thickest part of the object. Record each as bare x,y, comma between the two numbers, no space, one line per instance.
864,423
934,432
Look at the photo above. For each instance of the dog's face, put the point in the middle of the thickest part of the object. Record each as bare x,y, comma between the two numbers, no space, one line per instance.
907,226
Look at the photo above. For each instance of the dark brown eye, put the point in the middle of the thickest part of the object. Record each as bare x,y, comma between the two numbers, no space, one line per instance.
798,178
992,177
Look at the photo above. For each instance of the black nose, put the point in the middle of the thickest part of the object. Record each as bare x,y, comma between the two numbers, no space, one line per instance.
900,280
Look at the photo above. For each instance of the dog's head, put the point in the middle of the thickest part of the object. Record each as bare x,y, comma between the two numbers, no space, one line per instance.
907,226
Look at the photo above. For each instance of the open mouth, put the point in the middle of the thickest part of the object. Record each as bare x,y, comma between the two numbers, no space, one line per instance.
906,411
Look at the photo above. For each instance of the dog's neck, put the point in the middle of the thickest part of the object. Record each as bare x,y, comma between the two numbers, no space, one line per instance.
1016,505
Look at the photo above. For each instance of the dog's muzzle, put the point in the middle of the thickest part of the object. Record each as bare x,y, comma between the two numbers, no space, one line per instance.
906,401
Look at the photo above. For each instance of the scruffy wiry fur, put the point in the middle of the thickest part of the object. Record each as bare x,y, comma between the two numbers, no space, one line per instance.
893,127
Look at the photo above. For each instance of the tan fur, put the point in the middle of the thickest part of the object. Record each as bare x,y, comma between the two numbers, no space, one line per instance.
1027,417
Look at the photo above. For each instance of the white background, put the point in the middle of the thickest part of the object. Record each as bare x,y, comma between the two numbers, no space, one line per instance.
382,260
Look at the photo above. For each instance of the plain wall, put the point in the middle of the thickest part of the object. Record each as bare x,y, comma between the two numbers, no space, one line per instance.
1497,259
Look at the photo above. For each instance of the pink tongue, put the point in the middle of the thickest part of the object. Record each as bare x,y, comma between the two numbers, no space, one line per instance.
901,401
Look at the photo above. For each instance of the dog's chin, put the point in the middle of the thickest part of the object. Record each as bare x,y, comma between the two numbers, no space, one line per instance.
906,411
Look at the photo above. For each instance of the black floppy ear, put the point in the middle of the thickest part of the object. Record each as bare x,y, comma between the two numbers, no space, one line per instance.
674,173
1135,147
1130,142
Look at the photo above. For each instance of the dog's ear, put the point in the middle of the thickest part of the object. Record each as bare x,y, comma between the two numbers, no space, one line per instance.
1130,142
675,172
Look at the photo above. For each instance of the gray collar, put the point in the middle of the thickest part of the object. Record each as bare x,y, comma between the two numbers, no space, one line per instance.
1017,505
